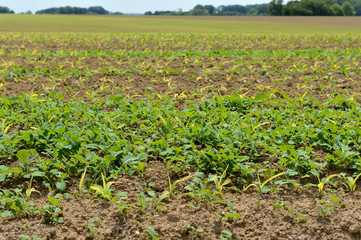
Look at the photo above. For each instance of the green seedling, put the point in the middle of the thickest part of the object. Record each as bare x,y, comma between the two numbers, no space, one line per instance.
352,182
226,235
26,237
91,224
322,182
279,205
325,208
261,187
190,227
152,233
295,217
52,212
106,191
174,184
228,217
124,207
218,182
259,201
157,201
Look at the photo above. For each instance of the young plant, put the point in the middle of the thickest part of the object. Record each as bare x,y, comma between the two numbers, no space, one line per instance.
30,189
279,205
218,182
174,184
82,181
106,191
193,229
261,186
91,224
351,183
323,182
226,235
152,233
325,208
52,212
295,217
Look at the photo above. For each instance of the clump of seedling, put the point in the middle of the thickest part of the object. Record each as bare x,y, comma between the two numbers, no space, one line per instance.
52,213
261,186
219,183
106,192
351,182
323,181
172,185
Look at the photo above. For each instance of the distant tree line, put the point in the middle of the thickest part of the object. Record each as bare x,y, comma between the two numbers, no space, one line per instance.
77,10
223,10
6,10
315,8
275,8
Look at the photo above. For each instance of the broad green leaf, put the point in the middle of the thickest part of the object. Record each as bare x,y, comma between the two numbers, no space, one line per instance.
53,201
23,155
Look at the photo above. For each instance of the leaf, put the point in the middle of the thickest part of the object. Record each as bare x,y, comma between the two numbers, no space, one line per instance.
5,214
60,186
98,190
53,201
165,194
260,97
2,177
302,217
38,174
332,127
251,185
265,189
121,194
271,178
23,155
291,173
82,181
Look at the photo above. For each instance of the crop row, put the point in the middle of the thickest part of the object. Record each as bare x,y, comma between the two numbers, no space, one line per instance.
244,138
176,72
144,42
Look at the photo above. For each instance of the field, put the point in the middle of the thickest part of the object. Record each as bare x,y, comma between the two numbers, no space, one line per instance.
175,135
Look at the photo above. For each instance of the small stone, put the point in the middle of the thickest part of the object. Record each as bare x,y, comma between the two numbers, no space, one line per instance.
301,238
354,228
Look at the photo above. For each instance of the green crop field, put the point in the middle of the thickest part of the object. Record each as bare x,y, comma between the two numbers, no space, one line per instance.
141,24
157,128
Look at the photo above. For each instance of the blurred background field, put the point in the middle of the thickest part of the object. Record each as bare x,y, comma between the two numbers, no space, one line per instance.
180,24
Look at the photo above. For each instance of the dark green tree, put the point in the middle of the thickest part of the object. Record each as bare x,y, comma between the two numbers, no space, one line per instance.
5,10
348,9
199,10
295,8
318,7
275,7
357,8
337,10
98,10
211,9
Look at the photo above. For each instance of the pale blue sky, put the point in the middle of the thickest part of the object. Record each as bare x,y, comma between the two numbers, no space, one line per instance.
125,6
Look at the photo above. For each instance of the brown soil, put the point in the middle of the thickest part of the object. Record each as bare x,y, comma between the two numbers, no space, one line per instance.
260,219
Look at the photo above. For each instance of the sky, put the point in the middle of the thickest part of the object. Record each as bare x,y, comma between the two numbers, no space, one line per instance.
124,6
